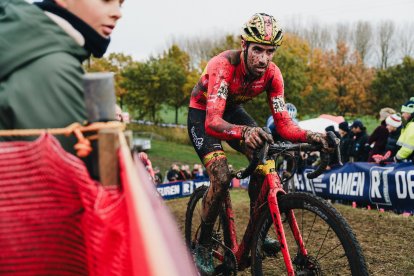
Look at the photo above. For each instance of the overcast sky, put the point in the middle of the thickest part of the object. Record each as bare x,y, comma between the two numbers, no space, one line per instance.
148,27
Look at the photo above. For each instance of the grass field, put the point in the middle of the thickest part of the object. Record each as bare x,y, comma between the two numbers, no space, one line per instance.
164,153
387,239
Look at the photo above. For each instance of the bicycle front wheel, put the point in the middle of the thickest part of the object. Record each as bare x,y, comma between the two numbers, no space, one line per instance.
224,260
330,242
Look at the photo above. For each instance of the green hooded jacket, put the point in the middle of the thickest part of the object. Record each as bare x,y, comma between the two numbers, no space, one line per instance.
40,72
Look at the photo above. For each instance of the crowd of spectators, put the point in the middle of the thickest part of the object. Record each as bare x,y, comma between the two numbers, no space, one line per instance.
175,173
183,172
391,141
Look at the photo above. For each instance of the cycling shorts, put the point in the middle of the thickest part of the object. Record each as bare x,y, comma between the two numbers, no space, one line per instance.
207,147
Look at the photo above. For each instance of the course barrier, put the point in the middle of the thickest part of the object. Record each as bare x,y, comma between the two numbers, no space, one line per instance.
179,189
56,220
390,187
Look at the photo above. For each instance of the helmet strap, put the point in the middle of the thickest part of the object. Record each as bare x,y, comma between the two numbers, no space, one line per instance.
245,59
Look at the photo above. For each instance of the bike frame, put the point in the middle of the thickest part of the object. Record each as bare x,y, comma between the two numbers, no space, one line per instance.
269,191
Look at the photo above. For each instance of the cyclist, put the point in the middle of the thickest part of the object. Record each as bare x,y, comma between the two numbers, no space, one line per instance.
215,113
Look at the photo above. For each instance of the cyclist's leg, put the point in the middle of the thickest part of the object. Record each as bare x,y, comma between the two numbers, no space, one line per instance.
239,116
210,152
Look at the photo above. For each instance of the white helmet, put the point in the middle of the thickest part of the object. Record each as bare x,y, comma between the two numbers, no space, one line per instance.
291,109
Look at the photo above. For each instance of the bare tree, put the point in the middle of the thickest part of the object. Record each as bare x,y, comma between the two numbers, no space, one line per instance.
198,47
318,36
343,33
406,39
294,25
362,39
386,31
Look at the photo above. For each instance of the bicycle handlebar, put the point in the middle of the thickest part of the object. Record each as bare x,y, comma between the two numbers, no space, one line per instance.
279,147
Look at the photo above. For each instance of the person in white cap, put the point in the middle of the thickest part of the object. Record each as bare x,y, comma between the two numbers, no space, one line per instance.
378,139
393,125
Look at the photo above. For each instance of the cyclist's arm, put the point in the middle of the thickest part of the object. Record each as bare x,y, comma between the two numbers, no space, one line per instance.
284,125
220,73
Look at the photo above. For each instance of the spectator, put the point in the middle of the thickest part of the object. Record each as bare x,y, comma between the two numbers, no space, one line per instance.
378,138
394,127
393,123
42,47
333,157
185,173
406,140
346,141
360,147
332,128
197,172
270,123
174,173
157,176
148,165
118,113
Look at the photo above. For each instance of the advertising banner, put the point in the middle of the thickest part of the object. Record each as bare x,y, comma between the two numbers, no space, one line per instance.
389,186
180,188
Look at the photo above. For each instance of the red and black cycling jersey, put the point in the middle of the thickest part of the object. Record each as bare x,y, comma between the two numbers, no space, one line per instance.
225,83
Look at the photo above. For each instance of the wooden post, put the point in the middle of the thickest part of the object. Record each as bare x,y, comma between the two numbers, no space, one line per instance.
99,89
129,138
108,145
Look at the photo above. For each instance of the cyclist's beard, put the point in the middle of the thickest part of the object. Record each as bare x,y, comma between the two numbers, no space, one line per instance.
250,71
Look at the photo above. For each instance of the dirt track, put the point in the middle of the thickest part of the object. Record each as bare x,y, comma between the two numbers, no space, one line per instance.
387,239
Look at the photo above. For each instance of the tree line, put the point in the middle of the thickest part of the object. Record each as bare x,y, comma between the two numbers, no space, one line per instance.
325,71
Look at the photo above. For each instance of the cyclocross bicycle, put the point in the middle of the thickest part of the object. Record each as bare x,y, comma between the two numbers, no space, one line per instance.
314,238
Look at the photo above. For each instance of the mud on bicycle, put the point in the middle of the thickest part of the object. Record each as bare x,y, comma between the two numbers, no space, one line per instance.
313,237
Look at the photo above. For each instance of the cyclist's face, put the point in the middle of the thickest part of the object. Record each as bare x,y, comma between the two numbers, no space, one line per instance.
258,58
101,15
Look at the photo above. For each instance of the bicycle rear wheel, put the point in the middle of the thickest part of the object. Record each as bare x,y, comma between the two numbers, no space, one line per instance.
224,260
330,242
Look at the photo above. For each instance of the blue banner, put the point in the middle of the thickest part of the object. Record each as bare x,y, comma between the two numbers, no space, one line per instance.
389,187
185,188
180,188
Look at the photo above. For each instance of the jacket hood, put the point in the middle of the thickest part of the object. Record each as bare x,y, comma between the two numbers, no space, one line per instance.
22,40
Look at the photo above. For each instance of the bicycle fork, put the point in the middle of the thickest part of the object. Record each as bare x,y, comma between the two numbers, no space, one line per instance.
274,190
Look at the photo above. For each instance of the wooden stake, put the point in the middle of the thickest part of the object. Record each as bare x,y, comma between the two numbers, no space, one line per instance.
108,146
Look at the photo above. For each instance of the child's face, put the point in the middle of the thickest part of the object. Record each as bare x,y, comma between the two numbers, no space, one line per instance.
101,15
